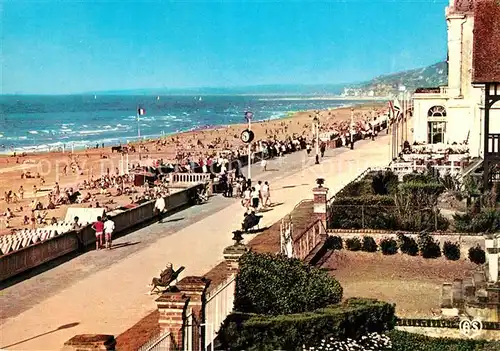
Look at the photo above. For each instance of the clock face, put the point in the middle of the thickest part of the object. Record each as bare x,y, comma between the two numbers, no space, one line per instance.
247,136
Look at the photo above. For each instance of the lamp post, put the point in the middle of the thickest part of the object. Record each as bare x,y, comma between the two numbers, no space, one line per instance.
316,130
351,132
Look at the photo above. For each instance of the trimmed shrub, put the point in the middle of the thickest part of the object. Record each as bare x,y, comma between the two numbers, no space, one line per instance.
404,341
407,245
273,285
427,246
389,246
369,244
477,255
451,250
351,319
334,243
353,244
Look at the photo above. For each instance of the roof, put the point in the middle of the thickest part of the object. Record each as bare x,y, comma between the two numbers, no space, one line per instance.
463,5
486,51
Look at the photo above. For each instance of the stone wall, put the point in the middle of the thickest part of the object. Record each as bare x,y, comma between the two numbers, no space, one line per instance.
35,255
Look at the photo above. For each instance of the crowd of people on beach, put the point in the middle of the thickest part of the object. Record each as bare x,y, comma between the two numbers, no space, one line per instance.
206,151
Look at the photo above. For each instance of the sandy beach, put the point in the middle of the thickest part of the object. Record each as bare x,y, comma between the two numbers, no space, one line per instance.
93,163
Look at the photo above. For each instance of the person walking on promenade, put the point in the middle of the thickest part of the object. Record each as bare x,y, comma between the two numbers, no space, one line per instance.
247,195
264,191
109,227
255,198
322,149
160,206
98,226
308,148
263,164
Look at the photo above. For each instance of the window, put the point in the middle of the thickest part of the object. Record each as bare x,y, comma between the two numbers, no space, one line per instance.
436,111
436,131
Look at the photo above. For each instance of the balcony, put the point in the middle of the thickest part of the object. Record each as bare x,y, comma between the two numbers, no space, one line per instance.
436,92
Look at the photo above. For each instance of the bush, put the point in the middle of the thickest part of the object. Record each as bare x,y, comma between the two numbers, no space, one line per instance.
389,246
359,188
477,255
427,246
407,245
351,319
451,250
334,243
369,244
269,284
404,341
486,221
353,244
384,183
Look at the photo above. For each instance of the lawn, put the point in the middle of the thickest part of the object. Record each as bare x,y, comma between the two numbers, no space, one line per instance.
412,283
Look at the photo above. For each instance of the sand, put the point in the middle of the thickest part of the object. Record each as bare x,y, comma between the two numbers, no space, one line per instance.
50,166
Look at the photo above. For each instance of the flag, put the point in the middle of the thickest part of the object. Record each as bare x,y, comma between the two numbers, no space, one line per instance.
248,115
141,112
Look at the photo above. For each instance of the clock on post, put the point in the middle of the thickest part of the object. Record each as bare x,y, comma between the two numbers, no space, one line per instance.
247,136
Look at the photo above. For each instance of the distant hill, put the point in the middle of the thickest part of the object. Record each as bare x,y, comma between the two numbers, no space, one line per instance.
386,85
277,89
383,86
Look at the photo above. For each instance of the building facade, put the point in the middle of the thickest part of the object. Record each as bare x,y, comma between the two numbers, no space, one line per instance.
456,113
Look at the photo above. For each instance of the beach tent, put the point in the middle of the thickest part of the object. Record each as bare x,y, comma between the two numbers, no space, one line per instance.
85,215
141,177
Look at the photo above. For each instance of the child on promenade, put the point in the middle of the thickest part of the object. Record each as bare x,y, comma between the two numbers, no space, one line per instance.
109,227
98,226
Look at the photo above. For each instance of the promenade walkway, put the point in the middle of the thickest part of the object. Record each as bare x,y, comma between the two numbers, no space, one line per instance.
106,292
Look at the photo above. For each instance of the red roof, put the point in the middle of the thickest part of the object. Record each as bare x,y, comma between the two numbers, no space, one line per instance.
486,51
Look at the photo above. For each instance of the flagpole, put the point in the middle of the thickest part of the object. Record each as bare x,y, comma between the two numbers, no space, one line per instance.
138,124
249,151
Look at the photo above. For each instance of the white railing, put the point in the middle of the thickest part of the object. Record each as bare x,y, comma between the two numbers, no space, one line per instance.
188,331
190,177
403,168
218,306
162,342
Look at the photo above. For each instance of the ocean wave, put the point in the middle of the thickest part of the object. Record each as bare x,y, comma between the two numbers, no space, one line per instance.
33,132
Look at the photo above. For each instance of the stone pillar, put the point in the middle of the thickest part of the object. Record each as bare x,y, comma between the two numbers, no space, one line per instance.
194,288
320,199
492,248
232,256
90,342
172,307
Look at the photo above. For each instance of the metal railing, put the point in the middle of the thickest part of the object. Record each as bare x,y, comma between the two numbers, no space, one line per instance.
218,306
161,342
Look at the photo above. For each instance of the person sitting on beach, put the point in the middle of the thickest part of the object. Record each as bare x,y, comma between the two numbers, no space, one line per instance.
51,205
53,221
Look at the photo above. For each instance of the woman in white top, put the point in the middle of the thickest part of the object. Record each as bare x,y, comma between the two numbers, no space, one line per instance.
255,198
246,198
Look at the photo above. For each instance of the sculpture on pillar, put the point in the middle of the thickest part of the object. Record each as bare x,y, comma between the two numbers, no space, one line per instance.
286,238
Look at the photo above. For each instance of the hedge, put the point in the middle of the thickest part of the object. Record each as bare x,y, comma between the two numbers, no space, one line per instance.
486,221
274,285
404,341
388,246
351,319
373,211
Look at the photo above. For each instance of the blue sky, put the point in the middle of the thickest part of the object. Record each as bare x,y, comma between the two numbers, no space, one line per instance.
58,47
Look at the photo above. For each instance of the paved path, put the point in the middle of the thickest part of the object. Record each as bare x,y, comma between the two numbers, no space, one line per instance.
106,291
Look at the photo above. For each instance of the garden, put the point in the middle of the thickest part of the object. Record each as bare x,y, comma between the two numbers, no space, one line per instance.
379,200
284,304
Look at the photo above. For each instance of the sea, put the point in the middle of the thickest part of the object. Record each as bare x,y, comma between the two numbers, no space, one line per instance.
44,123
